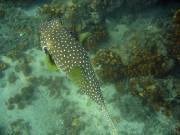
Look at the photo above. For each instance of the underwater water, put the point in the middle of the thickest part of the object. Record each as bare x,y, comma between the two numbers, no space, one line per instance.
62,61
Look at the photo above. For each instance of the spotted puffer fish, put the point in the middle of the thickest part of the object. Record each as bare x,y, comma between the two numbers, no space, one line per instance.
69,56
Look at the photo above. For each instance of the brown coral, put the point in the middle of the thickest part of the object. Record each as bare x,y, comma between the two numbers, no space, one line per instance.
108,65
152,92
2,13
16,52
144,53
19,127
71,11
51,10
174,37
3,66
12,77
96,36
111,68
147,63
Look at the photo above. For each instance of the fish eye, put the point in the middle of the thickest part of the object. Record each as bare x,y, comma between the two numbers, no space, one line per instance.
44,48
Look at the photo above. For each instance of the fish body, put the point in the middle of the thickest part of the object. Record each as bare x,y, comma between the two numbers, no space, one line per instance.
69,56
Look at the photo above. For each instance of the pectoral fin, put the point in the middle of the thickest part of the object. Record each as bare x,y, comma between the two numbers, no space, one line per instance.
50,63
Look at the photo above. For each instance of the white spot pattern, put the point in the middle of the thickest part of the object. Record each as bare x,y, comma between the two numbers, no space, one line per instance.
68,53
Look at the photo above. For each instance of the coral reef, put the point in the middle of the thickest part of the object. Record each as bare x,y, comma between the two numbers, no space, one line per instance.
140,4
177,132
108,65
94,37
19,127
53,10
144,53
3,67
140,102
175,103
12,77
159,95
147,64
67,11
18,32
24,66
18,2
2,12
16,52
22,99
176,17
75,15
54,84
174,37
154,92
72,121
108,6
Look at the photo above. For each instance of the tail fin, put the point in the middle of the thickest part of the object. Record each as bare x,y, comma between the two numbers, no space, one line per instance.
109,120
